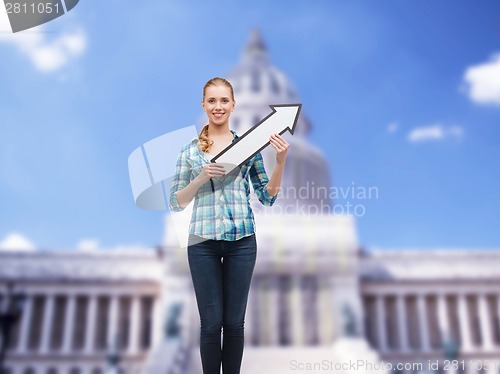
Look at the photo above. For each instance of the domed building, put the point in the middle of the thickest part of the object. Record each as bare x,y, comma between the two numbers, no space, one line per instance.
258,84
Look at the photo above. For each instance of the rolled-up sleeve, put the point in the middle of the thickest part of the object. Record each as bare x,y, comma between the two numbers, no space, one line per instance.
181,179
259,180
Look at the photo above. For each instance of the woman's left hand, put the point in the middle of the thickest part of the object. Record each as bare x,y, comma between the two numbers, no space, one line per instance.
281,146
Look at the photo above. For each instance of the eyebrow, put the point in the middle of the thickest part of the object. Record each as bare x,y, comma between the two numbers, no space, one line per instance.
210,98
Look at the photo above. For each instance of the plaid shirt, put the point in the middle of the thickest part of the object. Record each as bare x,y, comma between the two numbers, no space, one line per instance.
221,208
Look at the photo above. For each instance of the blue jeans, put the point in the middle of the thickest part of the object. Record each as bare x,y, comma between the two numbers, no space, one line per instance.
221,272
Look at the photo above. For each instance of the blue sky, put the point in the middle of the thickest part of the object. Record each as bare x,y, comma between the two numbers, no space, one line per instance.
404,96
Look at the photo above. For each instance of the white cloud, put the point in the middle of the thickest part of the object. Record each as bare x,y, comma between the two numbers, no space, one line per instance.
16,242
392,127
46,55
88,245
483,82
435,133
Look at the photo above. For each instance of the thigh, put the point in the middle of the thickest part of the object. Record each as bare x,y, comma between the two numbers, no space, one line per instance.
206,272
238,265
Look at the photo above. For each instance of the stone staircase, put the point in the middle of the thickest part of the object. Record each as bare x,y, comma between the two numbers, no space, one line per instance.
352,356
173,356
346,356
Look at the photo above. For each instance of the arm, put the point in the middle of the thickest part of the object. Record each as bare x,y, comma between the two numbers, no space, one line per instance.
183,189
181,180
185,195
267,189
274,185
281,147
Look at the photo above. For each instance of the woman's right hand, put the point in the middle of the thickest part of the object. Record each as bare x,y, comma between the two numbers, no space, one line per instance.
209,171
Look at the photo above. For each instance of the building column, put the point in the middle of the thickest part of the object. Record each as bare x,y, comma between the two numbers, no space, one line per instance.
296,316
402,323
69,319
135,318
381,323
463,316
498,314
48,317
157,321
273,308
485,323
113,322
24,331
442,314
423,323
3,307
325,310
249,317
91,323
263,312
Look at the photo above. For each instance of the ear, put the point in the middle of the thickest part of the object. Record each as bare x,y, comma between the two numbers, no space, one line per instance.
203,105
234,104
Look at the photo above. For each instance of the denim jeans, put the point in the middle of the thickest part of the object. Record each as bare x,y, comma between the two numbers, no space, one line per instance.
221,272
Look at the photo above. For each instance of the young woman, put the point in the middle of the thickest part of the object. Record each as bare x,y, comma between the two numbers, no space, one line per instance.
222,247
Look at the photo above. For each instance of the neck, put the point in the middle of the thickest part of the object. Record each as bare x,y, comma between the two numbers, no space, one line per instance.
218,130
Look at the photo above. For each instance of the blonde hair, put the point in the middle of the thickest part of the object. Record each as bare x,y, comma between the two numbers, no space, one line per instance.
204,142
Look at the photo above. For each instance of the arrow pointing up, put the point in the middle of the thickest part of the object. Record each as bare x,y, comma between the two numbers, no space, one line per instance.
283,117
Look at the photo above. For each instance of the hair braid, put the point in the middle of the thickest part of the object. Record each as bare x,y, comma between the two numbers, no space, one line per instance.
204,142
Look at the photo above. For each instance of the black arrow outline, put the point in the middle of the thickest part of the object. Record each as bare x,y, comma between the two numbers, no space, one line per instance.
291,129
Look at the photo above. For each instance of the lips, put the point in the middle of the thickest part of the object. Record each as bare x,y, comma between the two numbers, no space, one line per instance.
218,115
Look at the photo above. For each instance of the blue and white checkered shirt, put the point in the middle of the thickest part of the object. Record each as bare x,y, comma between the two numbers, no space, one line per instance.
224,212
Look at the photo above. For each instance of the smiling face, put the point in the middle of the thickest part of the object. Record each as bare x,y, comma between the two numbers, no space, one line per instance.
218,103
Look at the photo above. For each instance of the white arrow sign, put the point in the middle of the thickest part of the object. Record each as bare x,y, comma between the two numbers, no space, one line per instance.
283,117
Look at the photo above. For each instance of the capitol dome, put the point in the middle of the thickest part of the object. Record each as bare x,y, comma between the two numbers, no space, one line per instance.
258,84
